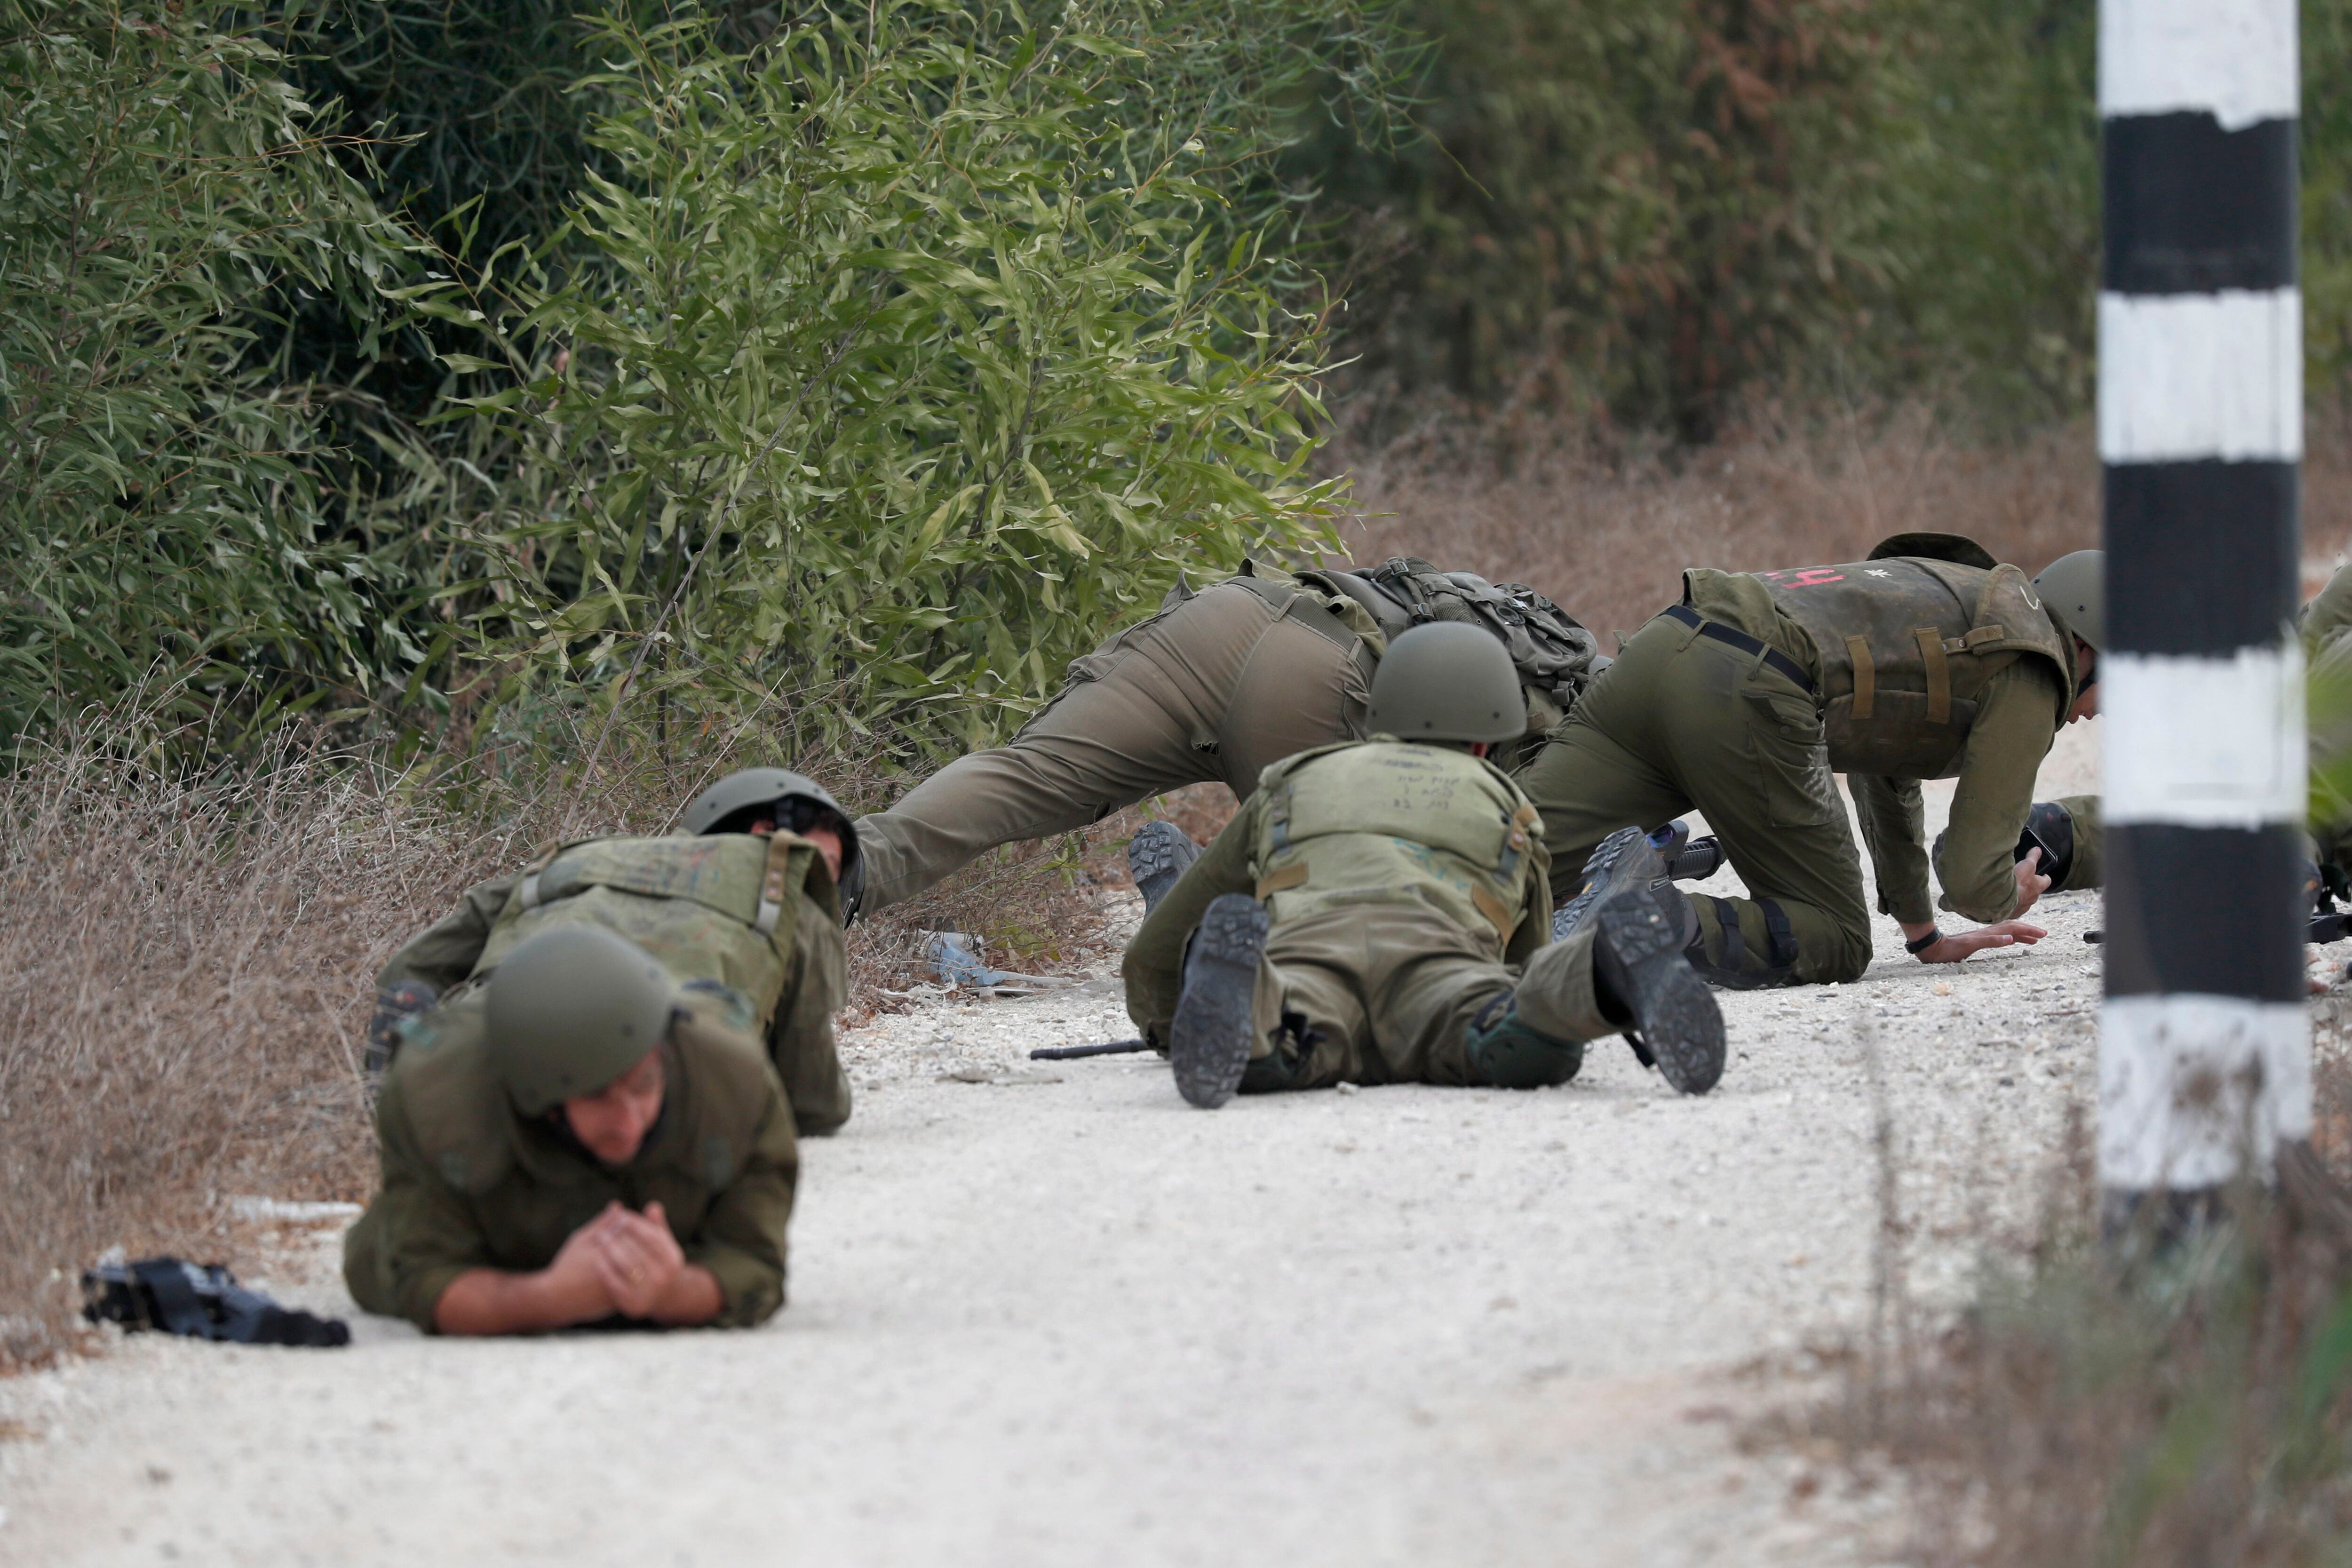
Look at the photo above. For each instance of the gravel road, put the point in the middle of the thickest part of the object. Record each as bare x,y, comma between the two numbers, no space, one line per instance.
1054,1316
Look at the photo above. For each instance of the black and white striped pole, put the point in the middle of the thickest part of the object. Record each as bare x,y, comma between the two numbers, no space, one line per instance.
2204,1059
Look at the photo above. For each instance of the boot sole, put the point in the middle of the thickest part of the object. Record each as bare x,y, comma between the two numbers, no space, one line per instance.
1209,1042
1599,874
1159,854
1638,946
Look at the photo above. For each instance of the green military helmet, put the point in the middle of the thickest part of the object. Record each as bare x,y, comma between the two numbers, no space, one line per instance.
572,1008
1447,680
2075,586
749,788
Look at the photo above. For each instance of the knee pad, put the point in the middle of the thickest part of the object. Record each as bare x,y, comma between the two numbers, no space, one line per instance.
1738,964
1506,1053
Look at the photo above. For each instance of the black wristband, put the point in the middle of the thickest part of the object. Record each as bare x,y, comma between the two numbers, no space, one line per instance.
1915,948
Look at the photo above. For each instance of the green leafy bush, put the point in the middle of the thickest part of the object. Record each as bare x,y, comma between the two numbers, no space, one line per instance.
159,510
903,365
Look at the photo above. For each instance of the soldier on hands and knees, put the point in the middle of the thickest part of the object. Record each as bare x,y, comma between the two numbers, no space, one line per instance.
578,1139
1216,686
1928,660
741,909
1378,911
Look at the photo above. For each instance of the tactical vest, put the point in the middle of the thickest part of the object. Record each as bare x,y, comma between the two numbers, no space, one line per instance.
720,906
1376,821
1906,642
466,1125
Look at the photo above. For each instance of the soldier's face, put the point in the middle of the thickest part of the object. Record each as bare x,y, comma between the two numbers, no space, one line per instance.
827,839
2086,702
829,844
612,1123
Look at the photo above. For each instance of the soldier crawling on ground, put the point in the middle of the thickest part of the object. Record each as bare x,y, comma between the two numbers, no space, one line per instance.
741,909
1216,686
1403,935
1928,659
577,1139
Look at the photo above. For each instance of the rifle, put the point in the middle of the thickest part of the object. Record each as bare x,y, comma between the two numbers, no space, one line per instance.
1108,1048
201,1301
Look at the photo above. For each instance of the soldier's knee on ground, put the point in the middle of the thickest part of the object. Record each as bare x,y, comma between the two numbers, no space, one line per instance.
1507,1052
1746,944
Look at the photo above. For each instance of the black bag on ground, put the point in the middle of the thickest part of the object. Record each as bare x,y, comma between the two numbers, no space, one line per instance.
200,1300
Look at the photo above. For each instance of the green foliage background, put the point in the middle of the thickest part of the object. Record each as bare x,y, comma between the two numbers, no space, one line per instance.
835,374
892,363
1651,206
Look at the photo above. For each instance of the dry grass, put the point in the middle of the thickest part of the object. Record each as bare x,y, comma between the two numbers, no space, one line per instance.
1038,905
1605,523
184,980
2098,1406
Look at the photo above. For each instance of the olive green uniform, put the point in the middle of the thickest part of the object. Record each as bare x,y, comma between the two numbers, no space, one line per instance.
1405,889
697,905
2327,645
1729,705
469,1182
1216,687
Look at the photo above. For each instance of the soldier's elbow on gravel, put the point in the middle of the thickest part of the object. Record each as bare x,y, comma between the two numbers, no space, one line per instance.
741,908
1927,659
1217,686
1378,912
577,1140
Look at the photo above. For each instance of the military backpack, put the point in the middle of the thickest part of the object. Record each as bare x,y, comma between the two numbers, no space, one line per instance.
1553,652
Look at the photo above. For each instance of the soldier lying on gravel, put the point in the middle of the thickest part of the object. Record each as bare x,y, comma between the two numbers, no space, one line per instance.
577,1139
1218,685
1377,912
1928,660
742,907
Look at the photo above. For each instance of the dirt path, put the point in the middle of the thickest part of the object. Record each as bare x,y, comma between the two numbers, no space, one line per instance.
1058,1318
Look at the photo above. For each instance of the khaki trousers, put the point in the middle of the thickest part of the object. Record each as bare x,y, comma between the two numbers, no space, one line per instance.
1385,992
1216,686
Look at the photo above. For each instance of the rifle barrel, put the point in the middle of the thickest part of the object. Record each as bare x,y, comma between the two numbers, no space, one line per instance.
1067,1053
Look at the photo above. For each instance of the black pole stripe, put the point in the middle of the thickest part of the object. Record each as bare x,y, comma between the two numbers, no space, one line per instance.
2204,909
2202,557
2192,208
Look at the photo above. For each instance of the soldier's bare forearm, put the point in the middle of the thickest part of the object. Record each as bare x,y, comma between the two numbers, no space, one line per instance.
496,1301
691,1299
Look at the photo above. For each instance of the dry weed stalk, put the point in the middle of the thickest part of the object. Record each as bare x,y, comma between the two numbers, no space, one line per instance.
2094,1406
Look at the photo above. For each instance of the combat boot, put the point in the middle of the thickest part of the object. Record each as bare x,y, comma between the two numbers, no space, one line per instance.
1641,925
1156,857
1209,1040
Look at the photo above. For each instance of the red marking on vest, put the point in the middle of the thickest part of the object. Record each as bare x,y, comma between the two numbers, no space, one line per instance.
1803,576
